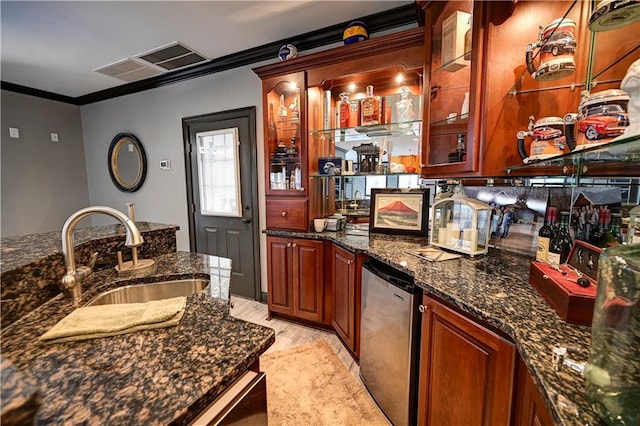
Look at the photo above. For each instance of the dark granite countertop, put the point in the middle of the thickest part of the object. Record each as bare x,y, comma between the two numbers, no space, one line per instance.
495,289
154,377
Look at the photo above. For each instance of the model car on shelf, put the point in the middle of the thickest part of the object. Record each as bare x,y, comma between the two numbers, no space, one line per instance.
603,121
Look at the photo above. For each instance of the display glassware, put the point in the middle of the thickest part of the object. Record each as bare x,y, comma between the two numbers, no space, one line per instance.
613,372
404,108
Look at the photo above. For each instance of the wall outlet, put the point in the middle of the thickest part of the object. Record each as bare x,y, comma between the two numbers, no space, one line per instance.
14,133
165,164
54,137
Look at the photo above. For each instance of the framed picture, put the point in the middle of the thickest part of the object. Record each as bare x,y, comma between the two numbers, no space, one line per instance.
399,211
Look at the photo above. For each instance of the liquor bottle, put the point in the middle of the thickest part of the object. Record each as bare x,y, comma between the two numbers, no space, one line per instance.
295,111
370,109
560,246
545,235
292,149
460,148
459,154
272,131
282,109
343,110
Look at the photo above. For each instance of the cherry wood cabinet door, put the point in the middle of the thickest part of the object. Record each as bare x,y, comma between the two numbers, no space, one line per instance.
308,279
530,409
344,282
466,371
279,275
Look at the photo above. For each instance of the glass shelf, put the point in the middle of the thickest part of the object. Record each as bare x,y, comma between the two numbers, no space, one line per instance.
617,158
378,130
361,175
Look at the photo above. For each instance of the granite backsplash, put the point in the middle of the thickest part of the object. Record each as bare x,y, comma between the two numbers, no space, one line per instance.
32,265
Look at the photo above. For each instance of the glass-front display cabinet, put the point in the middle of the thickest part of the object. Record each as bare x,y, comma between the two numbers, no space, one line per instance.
561,92
453,76
285,137
367,134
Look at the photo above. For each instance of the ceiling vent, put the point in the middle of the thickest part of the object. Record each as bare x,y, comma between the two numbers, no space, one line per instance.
129,70
172,57
158,61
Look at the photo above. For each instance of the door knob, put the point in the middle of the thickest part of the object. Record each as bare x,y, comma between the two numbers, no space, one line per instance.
246,220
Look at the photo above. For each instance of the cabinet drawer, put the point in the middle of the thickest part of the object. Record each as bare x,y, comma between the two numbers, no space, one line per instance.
287,214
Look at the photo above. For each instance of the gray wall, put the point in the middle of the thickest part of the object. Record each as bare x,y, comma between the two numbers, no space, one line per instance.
42,181
154,116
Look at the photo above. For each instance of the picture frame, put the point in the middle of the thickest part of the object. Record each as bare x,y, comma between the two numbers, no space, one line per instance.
399,211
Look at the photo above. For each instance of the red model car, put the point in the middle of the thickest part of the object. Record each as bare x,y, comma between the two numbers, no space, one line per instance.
545,133
603,121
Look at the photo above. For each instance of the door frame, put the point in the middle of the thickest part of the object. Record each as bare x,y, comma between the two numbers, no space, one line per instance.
187,124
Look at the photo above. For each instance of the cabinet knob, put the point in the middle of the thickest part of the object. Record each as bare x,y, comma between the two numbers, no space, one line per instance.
423,308
288,244
295,245
283,214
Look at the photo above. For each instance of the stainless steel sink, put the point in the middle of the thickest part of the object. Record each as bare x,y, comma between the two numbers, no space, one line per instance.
140,293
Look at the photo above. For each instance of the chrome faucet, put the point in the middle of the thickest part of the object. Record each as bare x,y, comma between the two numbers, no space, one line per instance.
71,283
354,204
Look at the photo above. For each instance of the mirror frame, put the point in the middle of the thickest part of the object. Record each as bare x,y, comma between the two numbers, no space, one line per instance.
119,141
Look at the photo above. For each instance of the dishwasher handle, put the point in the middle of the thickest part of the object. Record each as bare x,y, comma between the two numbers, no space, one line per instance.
391,275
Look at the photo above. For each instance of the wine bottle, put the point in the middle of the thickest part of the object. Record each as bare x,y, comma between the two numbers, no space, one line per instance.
616,225
560,246
545,235
597,237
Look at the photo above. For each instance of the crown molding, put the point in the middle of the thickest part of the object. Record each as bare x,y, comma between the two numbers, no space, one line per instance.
382,21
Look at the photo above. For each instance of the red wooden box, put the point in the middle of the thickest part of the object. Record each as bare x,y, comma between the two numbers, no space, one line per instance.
572,302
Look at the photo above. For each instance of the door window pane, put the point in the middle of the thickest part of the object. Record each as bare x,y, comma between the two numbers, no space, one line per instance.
219,173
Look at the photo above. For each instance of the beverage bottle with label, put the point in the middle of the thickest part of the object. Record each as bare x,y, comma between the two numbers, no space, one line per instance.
545,235
560,246
370,109
343,110
295,111
282,110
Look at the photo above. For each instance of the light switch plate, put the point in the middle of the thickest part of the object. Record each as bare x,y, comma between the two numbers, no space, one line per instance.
14,133
54,137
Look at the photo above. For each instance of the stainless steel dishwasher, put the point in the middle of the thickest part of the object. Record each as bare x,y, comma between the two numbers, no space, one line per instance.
389,339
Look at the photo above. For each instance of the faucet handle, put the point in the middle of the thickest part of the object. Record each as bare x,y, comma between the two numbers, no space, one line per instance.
93,260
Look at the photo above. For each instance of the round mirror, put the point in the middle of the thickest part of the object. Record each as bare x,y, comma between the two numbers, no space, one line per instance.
127,162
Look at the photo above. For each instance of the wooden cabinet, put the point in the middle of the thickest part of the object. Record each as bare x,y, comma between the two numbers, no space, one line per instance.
530,409
466,370
312,85
346,270
454,34
295,277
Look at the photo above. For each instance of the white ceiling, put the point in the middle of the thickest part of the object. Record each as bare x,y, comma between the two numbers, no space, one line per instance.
56,45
